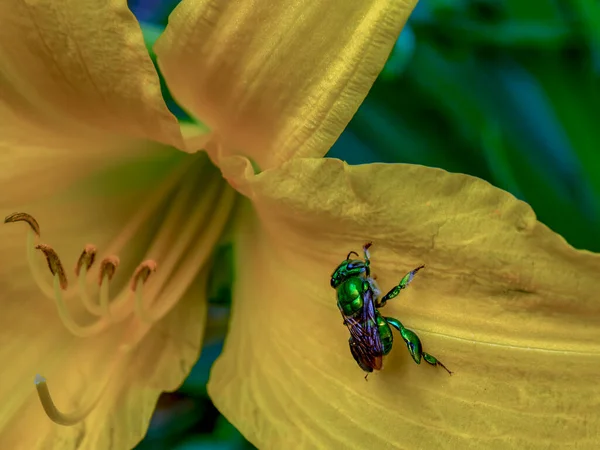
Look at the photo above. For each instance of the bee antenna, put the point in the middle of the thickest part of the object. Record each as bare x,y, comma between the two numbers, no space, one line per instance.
353,252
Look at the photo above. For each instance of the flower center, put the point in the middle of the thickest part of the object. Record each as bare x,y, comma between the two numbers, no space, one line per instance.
182,245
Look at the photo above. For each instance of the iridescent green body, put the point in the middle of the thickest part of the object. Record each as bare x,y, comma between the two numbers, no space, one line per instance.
371,334
350,295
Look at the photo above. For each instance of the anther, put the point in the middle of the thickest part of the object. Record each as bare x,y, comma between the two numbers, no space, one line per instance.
140,276
142,273
24,217
87,258
54,264
108,266
85,262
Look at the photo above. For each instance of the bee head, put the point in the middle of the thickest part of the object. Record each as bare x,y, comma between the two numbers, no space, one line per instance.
346,270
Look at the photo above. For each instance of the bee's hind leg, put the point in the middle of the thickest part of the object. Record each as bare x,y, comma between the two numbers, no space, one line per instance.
413,343
430,359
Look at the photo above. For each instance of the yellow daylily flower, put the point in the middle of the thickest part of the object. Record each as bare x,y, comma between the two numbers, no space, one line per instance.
88,151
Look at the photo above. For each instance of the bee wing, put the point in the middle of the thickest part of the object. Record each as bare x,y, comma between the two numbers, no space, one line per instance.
364,331
369,324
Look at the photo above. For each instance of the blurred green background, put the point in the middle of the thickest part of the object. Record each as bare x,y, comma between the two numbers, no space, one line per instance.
504,90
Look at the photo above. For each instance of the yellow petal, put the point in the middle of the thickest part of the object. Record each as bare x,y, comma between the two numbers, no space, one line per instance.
79,66
101,208
277,79
503,302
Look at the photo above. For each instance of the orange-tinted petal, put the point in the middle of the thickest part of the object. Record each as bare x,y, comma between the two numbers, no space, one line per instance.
503,302
78,67
277,79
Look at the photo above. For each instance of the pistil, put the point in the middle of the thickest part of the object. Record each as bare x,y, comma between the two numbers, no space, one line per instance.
74,417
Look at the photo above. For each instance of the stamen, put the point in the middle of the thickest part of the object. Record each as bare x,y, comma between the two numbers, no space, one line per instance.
178,211
196,256
87,258
122,306
46,288
140,311
142,273
92,307
32,235
137,334
105,298
146,209
54,264
108,266
187,235
52,259
84,263
137,281
107,271
78,330
24,217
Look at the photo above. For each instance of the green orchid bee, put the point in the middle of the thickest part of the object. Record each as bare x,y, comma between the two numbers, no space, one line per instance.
371,333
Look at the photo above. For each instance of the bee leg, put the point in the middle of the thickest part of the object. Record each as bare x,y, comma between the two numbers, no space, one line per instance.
430,359
396,289
413,344
367,258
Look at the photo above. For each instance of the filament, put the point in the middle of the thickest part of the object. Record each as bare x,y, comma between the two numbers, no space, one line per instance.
140,330
78,330
182,245
143,213
146,209
92,307
186,236
189,231
140,311
176,213
185,252
175,252
122,306
39,279
197,256
105,297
